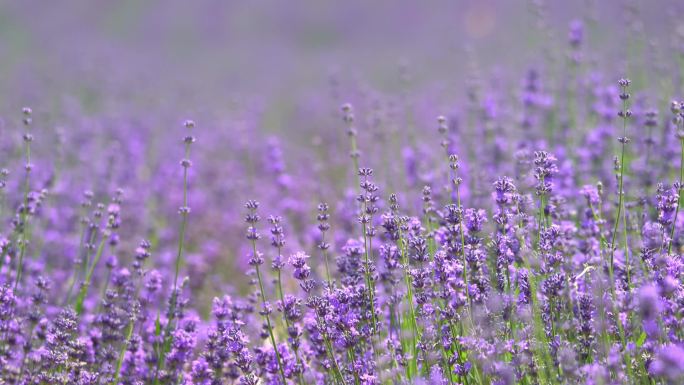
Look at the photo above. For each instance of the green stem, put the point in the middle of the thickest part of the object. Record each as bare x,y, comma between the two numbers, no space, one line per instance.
300,378
174,293
620,194
463,252
327,267
331,352
266,316
83,292
621,208
129,335
412,312
122,352
679,192
24,215
74,277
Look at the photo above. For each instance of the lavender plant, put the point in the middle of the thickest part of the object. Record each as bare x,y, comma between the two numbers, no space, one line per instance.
519,243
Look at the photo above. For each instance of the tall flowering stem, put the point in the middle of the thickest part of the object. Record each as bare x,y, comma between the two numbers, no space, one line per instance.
256,260
80,260
402,245
112,223
545,169
348,117
443,129
593,196
142,254
24,209
678,110
625,114
456,181
368,209
505,192
184,211
324,227
3,184
319,305
278,241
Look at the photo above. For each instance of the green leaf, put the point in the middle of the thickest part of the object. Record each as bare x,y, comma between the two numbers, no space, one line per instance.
641,339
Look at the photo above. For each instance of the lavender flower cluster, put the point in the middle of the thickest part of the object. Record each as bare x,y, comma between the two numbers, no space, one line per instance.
529,237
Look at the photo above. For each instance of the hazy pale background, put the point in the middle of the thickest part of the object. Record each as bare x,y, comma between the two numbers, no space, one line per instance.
210,51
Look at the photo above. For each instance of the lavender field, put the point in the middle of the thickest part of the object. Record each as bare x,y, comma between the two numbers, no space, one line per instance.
342,193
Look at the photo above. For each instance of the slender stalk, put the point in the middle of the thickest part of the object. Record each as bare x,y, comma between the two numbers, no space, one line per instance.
323,227
412,313
331,352
440,302
599,221
267,318
300,377
184,220
366,218
352,360
122,351
184,212
105,287
24,215
83,292
457,184
469,310
625,113
132,319
3,197
252,218
278,242
679,192
84,227
327,267
348,116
